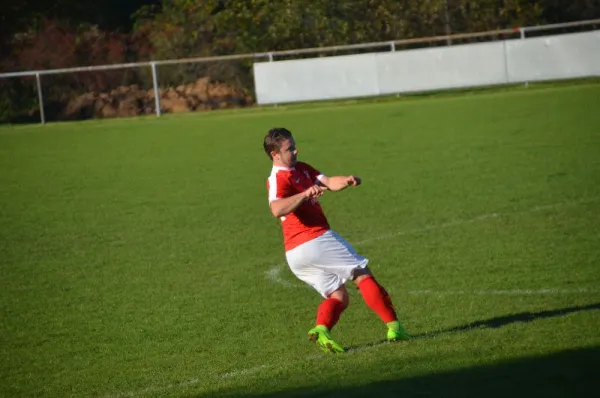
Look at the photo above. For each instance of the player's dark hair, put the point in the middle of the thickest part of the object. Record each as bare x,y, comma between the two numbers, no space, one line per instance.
274,138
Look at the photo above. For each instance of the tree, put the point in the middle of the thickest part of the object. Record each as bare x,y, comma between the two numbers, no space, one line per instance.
556,11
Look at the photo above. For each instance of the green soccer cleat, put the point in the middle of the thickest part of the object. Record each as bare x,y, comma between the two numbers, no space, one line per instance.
396,332
320,335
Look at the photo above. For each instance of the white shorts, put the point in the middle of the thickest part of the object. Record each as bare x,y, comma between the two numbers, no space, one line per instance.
325,263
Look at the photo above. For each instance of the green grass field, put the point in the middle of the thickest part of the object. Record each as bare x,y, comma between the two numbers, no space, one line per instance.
139,258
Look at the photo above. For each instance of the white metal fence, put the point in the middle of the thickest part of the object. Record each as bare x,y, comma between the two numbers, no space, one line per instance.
561,56
396,45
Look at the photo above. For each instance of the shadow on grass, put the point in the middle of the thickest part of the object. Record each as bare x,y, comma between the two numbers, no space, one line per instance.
492,323
572,373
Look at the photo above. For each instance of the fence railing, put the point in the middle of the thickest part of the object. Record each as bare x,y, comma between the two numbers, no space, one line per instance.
512,33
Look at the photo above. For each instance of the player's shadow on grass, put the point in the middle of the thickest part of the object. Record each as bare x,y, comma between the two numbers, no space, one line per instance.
570,373
495,322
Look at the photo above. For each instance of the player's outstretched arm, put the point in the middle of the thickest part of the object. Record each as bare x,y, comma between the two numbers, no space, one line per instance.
337,183
285,206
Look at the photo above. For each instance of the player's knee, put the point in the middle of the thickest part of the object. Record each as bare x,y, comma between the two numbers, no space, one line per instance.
361,274
342,296
345,301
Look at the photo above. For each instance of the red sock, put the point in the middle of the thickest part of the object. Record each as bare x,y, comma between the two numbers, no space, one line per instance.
329,312
377,299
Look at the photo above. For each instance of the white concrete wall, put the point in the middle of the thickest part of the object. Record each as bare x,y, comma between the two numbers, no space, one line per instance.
441,68
511,61
316,78
554,57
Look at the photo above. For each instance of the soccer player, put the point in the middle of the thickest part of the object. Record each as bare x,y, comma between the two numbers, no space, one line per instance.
314,252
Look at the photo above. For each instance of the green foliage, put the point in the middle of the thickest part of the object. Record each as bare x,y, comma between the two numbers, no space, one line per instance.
15,96
180,29
198,27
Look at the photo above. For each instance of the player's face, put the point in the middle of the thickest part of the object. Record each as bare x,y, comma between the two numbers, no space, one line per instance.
288,154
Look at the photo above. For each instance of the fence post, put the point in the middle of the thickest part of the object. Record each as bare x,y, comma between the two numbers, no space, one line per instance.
155,84
506,70
393,49
522,32
270,55
40,98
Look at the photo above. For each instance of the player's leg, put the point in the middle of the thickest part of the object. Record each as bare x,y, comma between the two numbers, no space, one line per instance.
301,261
379,300
338,257
328,315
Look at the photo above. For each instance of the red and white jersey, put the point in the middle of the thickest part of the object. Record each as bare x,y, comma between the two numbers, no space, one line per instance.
308,221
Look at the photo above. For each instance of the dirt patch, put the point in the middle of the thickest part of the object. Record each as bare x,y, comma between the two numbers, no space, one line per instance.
124,101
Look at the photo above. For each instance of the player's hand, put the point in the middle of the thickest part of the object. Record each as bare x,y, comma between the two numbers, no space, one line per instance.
314,192
354,180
